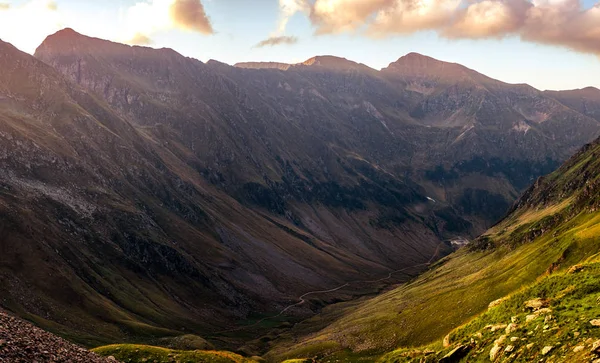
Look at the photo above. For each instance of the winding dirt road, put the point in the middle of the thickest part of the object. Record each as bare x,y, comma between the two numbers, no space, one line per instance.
302,298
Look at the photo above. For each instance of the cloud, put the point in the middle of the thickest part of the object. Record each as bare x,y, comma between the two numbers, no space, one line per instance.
277,41
564,23
190,15
27,24
287,9
140,39
489,19
337,16
409,16
153,16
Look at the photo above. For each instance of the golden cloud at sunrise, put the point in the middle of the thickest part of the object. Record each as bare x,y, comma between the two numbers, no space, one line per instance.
148,17
555,22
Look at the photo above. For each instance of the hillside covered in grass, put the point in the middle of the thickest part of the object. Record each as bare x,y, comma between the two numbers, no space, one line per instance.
144,353
554,226
556,319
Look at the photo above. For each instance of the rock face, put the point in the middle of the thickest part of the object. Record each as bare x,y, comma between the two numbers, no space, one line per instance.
21,342
142,189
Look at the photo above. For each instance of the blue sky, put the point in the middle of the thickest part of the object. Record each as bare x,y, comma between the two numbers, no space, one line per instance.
238,25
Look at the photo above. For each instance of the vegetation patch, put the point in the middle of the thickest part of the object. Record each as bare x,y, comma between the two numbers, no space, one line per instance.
555,319
131,353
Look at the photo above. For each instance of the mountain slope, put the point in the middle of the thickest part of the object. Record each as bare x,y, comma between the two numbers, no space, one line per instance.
586,100
115,227
490,139
146,194
553,227
554,319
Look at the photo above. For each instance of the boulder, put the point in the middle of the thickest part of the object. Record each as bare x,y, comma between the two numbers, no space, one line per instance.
596,347
446,341
536,304
495,352
511,328
547,349
495,303
575,269
496,327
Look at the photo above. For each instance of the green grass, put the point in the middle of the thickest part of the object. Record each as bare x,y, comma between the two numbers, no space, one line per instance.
458,289
131,353
572,301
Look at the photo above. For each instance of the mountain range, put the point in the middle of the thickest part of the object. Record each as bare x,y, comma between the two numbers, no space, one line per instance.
145,194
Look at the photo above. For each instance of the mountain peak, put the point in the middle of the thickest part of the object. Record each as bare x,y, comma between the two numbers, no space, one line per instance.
591,90
334,63
67,33
417,63
69,42
418,66
414,56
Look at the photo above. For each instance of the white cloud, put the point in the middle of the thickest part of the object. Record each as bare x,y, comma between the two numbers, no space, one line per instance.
28,24
149,17
287,9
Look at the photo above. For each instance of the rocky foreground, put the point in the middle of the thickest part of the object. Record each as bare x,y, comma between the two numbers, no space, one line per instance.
22,342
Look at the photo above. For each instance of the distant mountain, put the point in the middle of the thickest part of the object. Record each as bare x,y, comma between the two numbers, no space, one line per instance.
586,100
263,65
146,193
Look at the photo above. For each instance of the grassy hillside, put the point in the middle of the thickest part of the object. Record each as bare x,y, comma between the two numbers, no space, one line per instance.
553,227
145,353
554,318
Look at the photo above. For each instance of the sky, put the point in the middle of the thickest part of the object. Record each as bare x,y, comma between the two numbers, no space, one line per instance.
550,44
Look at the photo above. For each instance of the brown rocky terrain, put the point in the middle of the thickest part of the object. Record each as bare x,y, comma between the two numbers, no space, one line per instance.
21,342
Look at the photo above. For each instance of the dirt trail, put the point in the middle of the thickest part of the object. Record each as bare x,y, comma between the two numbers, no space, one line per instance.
302,298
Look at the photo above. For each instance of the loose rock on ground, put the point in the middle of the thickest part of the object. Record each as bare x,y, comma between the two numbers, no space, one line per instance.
21,342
